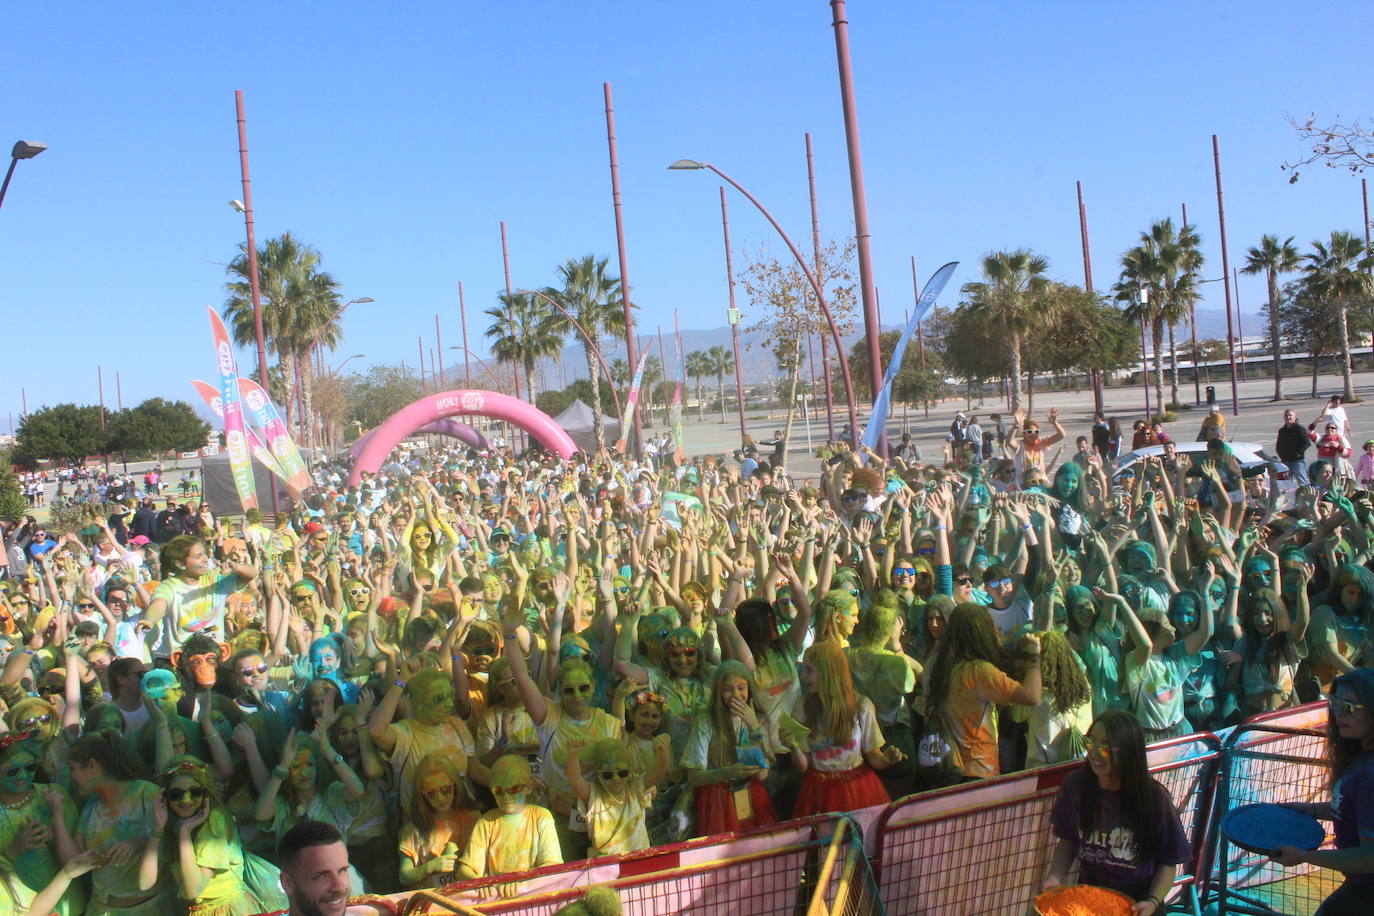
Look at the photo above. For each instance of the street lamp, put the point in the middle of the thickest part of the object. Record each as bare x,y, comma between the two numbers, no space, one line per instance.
692,164
596,351
23,149
335,371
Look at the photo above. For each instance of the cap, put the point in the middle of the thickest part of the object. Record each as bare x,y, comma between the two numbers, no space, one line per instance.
140,539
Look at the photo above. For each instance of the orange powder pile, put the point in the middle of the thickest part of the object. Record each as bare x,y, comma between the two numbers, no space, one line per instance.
1082,900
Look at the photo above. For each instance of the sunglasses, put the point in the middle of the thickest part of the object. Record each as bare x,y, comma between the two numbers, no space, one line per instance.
1344,707
903,570
355,592
614,774
1000,583
519,789
26,724
191,794
925,551
964,580
622,589
86,605
253,669
572,691
300,596
1098,749
684,651
11,772
854,592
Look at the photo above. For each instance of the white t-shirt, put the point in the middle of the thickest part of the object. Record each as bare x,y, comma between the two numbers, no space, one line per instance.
865,736
1013,617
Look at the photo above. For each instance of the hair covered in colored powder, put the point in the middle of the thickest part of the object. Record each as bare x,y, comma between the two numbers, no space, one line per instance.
1083,900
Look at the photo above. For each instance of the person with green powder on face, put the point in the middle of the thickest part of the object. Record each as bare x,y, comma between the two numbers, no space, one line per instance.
28,854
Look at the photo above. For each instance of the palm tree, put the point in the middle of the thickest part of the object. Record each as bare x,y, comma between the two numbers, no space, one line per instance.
596,300
698,367
1333,273
719,361
523,332
1012,295
1272,257
1164,267
298,302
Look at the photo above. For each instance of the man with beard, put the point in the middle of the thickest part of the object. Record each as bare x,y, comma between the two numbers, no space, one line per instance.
314,869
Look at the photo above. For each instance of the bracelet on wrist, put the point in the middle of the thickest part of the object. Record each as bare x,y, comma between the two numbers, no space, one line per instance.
399,683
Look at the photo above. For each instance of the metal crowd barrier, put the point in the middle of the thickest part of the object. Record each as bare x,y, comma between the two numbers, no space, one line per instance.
1278,757
983,848
978,848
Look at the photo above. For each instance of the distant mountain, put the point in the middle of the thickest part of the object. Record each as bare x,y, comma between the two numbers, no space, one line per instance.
759,365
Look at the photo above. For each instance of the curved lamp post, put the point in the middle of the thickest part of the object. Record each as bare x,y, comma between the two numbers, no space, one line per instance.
692,164
481,362
333,373
23,149
596,351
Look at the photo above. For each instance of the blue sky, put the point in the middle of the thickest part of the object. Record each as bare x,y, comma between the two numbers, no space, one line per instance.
394,138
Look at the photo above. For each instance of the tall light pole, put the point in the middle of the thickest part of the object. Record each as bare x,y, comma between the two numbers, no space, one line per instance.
872,317
1088,284
1225,272
246,208
23,149
689,164
732,316
463,319
620,246
816,254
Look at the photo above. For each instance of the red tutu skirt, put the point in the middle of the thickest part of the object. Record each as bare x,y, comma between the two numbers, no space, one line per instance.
716,809
846,790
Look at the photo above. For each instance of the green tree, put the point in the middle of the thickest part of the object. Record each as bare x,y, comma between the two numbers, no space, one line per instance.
378,393
67,432
299,302
1333,275
1159,283
1271,258
157,426
1010,298
784,298
524,330
1310,323
973,347
555,402
1083,334
597,301
12,502
720,361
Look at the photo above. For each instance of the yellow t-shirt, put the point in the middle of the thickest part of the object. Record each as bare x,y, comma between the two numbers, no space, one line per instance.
616,825
505,843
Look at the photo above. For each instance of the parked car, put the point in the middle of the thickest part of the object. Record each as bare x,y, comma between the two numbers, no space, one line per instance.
1254,460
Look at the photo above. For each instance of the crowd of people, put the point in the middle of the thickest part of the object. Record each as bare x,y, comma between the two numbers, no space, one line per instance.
478,663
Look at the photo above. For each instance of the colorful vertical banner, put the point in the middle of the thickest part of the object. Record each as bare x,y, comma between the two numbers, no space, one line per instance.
877,422
210,395
279,440
632,404
235,436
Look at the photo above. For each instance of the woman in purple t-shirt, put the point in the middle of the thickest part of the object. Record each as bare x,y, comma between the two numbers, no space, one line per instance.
1116,820
1350,738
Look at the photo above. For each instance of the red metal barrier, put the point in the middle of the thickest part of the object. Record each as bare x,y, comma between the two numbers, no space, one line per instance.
984,847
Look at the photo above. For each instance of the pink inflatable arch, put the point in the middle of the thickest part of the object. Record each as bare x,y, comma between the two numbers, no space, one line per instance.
462,402
450,428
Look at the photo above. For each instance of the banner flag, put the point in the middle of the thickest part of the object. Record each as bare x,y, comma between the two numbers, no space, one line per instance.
877,421
278,437
235,436
632,404
210,395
